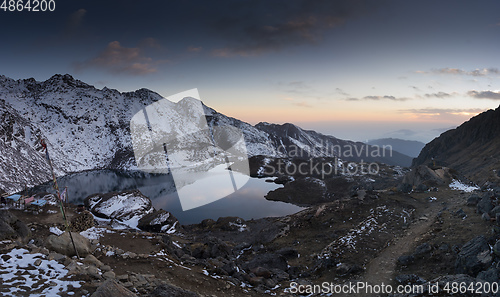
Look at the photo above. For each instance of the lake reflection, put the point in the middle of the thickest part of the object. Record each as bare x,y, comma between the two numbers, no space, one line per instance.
248,202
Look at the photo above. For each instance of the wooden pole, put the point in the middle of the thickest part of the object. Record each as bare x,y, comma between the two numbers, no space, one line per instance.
59,196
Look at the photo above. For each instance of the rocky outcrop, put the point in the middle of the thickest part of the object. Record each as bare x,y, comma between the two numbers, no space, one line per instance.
474,257
423,175
127,207
301,191
62,244
159,221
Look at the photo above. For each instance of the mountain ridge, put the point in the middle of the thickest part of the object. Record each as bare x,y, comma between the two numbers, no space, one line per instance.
472,148
410,148
88,128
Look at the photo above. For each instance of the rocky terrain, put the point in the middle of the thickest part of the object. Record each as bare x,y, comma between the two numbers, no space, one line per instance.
436,223
367,235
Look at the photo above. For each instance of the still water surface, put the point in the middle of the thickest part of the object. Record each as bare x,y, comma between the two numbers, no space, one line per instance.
248,202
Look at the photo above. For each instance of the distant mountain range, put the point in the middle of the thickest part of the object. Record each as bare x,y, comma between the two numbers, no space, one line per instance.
88,128
407,147
473,148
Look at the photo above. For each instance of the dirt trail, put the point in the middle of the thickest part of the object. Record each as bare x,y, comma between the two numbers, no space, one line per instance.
381,270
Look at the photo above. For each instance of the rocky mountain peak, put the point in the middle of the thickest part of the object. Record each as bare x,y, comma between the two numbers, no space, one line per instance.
472,148
65,80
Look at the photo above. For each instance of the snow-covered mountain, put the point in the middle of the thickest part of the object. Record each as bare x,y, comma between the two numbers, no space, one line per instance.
88,128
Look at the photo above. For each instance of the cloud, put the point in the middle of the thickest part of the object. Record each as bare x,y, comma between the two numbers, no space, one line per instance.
404,132
385,98
438,95
442,112
341,92
301,89
377,98
299,85
265,26
484,94
458,71
123,60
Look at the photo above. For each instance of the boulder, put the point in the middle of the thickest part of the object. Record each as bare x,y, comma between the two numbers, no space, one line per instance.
422,249
473,200
484,205
261,272
171,291
406,260
405,188
425,175
62,244
90,259
473,257
269,261
128,206
159,221
11,227
460,213
421,188
6,231
288,252
496,248
210,247
230,224
490,275
111,288
496,210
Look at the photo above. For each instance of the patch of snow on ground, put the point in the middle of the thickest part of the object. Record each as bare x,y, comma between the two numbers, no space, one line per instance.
95,232
171,230
241,227
262,169
20,276
458,185
366,227
56,231
133,221
160,219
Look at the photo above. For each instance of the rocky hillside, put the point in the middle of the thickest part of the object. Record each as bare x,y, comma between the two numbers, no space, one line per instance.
473,148
294,141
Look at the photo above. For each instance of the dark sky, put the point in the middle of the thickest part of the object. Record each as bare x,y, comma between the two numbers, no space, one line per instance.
327,65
